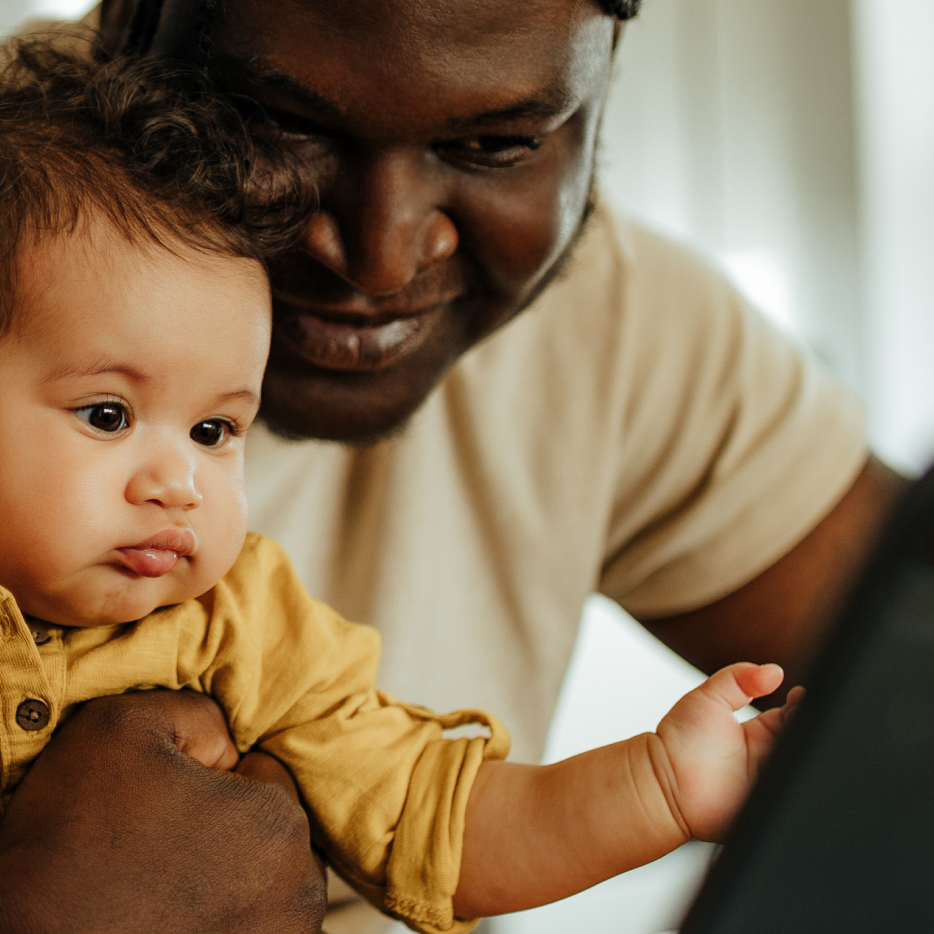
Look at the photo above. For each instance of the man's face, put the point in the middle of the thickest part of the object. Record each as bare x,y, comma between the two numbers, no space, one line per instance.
453,141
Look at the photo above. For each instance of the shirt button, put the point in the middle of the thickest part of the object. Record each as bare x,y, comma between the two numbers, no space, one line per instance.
33,715
39,630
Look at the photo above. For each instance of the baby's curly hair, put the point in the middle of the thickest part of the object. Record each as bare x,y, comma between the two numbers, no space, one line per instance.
149,145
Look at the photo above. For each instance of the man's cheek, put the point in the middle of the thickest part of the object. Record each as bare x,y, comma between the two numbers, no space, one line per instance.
517,236
519,230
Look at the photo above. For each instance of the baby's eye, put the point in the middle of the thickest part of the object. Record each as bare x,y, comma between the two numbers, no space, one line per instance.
109,417
211,432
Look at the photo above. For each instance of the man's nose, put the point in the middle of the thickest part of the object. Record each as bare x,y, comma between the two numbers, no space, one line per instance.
380,223
165,478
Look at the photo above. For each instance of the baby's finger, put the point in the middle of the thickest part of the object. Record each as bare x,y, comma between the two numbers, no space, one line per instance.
795,696
737,685
264,768
772,720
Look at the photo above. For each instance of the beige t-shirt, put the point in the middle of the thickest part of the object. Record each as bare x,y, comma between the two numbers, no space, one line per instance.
638,431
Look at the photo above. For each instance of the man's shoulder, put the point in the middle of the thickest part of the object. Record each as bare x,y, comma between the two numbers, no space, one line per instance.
628,300
621,262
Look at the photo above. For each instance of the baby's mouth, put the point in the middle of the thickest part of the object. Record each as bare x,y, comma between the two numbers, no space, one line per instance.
148,562
158,555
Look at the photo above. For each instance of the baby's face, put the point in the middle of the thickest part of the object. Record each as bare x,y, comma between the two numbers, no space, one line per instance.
125,389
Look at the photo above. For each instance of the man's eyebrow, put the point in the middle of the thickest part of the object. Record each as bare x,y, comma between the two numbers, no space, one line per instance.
550,104
259,72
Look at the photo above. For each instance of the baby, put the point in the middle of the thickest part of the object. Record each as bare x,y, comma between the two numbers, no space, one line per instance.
135,322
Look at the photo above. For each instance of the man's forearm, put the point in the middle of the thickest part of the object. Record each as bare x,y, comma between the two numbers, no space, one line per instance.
784,614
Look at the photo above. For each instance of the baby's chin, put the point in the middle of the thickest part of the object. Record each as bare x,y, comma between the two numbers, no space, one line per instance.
67,618
78,613
101,621
112,595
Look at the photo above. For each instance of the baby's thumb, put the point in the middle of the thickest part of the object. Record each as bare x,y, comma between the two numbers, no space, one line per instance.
737,685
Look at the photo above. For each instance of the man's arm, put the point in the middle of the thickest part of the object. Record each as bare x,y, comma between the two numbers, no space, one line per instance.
783,614
116,830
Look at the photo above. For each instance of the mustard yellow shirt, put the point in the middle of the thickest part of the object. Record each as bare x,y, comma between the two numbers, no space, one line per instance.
385,790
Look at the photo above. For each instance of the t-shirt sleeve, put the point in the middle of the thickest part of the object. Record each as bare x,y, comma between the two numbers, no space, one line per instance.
386,791
735,442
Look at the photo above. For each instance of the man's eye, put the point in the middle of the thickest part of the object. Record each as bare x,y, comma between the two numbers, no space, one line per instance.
109,417
300,129
211,432
492,151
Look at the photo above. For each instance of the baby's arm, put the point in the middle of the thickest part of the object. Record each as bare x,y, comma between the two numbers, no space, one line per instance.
536,834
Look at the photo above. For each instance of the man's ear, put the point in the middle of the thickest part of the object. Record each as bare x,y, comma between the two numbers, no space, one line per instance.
116,16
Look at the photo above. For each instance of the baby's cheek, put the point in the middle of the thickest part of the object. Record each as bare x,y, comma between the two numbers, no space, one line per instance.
228,527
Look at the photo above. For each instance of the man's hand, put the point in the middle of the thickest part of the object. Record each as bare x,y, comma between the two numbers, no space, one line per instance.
714,760
116,829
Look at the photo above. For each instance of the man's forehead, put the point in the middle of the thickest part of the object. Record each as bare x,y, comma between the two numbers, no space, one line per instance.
541,54
446,23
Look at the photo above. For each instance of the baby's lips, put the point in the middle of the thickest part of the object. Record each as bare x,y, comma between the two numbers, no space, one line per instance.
149,562
159,553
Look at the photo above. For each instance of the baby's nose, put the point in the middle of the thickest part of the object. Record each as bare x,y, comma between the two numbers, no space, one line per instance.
168,481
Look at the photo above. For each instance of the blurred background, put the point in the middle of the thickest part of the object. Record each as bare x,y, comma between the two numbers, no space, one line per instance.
794,143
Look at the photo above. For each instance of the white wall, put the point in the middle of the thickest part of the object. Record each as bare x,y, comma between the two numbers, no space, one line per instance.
14,12
895,91
732,123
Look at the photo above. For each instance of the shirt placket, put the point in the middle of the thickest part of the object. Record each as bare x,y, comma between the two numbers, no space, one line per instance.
32,691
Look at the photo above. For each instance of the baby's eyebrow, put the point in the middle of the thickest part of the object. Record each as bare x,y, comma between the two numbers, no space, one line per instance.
107,367
97,368
240,395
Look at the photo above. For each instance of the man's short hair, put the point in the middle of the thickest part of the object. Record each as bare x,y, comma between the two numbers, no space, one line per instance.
148,145
147,15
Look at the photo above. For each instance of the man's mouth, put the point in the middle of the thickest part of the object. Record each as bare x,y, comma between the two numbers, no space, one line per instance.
159,554
336,340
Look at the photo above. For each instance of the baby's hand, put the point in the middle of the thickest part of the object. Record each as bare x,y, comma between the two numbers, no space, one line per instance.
199,727
714,760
